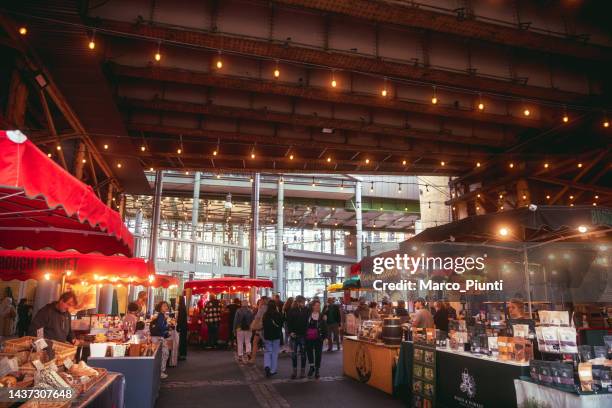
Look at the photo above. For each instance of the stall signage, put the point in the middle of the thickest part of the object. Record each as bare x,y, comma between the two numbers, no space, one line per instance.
363,363
30,265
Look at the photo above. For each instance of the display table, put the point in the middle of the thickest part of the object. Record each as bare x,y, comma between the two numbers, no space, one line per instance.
141,374
487,382
106,393
548,396
370,363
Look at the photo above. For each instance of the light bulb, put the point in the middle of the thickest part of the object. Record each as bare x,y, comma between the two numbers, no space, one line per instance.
290,157
367,161
105,147
119,165
215,153
504,232
579,165
442,163
545,165
606,123
547,197
49,155
92,44
252,155
526,112
434,100
276,73
143,148
151,169
511,165
23,30
384,92
329,159
404,162
333,83
58,147
478,164
179,151
565,118
219,64
481,106
84,161
157,56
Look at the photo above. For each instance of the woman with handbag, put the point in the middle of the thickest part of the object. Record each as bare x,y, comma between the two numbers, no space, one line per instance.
257,326
316,331
272,333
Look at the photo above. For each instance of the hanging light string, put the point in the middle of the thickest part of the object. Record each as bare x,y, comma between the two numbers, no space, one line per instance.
382,78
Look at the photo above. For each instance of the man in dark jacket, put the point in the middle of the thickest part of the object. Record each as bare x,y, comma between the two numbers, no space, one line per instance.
54,318
242,329
297,320
212,317
334,320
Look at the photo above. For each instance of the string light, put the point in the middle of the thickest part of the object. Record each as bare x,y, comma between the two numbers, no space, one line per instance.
547,196
571,197
404,162
606,123
119,165
92,41
565,118
367,161
49,155
399,189
151,169
313,182
215,152
158,55
329,159
252,155
477,164
105,147
58,147
545,165
511,165
84,161
579,165
333,81
480,103
179,151
23,30
219,62
434,98
526,112
143,148
372,187
442,163
291,157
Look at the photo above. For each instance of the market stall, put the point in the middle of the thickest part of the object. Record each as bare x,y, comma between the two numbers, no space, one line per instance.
369,362
230,287
55,211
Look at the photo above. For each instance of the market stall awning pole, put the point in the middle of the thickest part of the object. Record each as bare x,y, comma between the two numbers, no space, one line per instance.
159,180
280,262
358,221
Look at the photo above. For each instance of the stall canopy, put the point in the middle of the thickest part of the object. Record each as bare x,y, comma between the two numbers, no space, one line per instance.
44,206
80,268
222,285
541,223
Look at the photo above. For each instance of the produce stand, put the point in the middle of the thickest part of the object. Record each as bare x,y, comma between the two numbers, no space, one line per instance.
370,363
141,376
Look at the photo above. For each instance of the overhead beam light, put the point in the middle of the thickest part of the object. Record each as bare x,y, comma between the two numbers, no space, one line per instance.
158,55
23,30
92,41
504,232
582,229
434,97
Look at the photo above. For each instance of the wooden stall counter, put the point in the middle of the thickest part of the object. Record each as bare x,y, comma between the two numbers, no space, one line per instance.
370,363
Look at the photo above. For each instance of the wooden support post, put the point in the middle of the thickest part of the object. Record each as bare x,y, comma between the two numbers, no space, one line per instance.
17,102
51,126
109,194
79,161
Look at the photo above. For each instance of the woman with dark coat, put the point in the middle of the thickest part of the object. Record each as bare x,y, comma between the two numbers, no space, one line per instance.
182,327
316,331
272,333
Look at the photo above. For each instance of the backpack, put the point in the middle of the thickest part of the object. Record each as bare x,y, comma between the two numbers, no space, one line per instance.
244,325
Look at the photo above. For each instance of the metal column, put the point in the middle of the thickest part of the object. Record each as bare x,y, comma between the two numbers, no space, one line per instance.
159,181
280,261
195,211
137,232
358,220
254,227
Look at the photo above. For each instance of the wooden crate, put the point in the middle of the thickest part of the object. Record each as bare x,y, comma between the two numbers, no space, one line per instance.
24,344
83,388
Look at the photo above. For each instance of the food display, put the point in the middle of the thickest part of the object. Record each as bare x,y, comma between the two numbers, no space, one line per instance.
370,330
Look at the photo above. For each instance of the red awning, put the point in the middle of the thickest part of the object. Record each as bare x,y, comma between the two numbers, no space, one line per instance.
220,285
43,206
78,268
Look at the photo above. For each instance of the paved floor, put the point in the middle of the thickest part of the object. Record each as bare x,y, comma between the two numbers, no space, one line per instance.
214,379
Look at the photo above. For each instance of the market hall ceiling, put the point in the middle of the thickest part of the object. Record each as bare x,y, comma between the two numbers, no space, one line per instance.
270,104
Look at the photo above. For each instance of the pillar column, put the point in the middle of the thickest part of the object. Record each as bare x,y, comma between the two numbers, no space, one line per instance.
358,221
254,227
280,220
109,194
159,180
195,212
137,232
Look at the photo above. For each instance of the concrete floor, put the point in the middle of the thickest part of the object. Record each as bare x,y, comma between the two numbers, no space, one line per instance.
214,379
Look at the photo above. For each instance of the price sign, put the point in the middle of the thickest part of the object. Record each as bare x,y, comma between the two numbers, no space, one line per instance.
40,344
40,333
68,363
38,365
